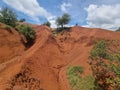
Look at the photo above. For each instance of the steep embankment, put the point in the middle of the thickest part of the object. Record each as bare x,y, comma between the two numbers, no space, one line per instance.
11,48
10,43
44,65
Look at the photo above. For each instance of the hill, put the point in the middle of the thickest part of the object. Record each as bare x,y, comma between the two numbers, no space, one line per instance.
44,65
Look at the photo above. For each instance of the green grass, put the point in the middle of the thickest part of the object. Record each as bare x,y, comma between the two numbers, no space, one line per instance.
76,81
99,50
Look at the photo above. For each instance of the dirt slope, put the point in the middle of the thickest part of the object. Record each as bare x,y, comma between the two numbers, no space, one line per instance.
11,48
43,66
10,44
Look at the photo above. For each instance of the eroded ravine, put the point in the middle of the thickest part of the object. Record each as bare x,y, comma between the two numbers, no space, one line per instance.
47,60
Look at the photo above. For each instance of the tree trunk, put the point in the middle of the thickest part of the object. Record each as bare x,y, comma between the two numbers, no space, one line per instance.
62,26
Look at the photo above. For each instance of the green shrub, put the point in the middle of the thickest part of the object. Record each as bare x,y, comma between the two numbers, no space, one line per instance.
106,73
28,32
47,24
115,83
75,69
118,29
7,16
76,81
99,50
117,56
116,69
22,20
86,83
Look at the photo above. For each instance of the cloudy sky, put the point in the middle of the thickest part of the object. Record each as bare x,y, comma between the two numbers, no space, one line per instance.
90,13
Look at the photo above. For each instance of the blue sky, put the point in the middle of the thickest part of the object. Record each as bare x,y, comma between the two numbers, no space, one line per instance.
89,13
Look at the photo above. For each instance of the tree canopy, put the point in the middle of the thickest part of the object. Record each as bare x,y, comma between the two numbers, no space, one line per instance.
7,16
22,20
47,24
63,20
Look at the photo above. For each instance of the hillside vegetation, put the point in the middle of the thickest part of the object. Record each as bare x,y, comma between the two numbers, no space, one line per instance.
8,17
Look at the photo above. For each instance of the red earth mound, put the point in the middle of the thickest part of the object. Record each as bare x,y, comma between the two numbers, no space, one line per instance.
10,43
43,66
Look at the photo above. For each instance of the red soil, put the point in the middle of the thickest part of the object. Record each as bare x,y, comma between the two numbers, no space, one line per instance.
48,59
10,44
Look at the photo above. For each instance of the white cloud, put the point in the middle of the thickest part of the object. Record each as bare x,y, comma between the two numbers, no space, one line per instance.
52,20
104,16
31,8
64,6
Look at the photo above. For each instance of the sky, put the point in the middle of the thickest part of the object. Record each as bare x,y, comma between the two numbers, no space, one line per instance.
88,13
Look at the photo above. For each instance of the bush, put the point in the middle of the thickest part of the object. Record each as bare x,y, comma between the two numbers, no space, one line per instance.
116,56
28,32
75,70
118,29
47,24
76,81
106,73
22,20
99,50
7,16
116,69
115,82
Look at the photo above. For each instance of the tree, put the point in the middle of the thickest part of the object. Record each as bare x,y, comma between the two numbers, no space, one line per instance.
22,20
7,16
47,24
66,18
59,21
118,29
63,20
